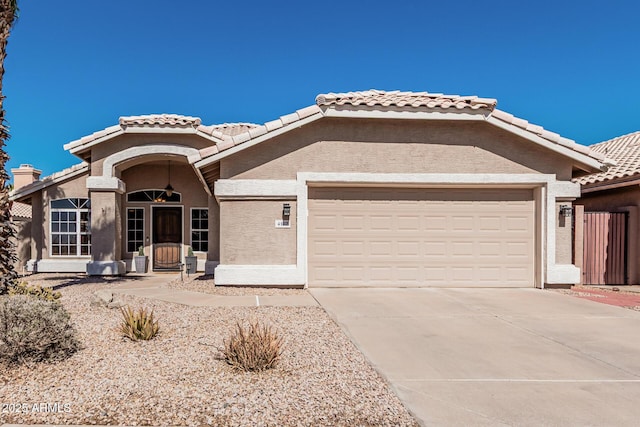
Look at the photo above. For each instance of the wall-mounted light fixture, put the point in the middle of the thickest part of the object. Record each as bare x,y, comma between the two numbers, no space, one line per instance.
286,210
566,211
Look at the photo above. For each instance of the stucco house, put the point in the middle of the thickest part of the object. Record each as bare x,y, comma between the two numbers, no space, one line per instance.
612,257
366,188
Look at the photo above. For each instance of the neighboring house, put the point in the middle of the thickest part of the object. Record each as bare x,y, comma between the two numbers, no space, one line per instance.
360,189
612,255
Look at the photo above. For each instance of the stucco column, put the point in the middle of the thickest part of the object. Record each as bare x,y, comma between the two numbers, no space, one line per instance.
106,234
560,270
564,236
213,255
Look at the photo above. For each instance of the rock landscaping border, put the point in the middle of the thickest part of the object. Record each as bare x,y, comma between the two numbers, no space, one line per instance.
178,379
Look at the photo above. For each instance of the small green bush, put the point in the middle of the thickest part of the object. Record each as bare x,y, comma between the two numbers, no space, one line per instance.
138,325
253,348
34,330
46,294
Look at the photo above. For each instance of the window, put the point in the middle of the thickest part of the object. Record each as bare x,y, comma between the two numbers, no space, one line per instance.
135,229
200,230
149,196
70,227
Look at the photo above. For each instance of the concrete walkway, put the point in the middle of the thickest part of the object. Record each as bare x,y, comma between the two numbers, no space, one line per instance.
156,287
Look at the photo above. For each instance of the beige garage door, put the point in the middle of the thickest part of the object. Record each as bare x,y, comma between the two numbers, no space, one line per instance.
421,237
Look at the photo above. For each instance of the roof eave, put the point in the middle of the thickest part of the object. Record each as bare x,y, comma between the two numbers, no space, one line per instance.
610,184
77,147
584,161
36,186
254,141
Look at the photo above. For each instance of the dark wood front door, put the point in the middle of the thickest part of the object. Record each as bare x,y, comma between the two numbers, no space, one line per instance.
167,237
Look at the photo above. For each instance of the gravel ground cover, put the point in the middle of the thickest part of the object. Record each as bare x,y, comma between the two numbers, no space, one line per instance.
178,379
614,296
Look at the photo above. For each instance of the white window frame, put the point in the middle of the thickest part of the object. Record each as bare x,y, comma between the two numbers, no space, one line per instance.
191,229
127,228
78,233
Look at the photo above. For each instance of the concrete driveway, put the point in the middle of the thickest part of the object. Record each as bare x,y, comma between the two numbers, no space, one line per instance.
493,357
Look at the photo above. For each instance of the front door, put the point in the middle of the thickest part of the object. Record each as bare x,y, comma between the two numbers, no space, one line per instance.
167,237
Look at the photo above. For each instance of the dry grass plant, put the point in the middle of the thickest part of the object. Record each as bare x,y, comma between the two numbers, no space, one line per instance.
138,325
40,292
255,347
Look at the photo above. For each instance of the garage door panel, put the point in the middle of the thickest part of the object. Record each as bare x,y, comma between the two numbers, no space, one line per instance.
462,223
355,248
489,274
517,223
421,237
489,249
490,224
409,249
352,222
381,274
409,223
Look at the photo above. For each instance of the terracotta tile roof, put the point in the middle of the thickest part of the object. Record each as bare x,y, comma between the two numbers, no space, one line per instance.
380,98
257,131
548,135
94,136
229,135
624,151
161,120
151,121
20,210
227,129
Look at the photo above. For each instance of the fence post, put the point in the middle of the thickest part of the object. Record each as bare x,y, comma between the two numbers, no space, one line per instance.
578,239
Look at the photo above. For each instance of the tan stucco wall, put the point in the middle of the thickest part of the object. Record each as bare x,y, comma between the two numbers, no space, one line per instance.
101,151
185,182
625,199
401,146
249,236
214,230
564,241
105,223
76,187
37,226
22,241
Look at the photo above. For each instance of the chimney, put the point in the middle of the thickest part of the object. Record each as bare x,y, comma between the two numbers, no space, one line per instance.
24,175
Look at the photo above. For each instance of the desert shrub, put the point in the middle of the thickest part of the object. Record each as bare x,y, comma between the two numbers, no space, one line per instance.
138,325
253,348
23,288
34,330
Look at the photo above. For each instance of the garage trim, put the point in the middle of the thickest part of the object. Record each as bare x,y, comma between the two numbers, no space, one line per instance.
547,191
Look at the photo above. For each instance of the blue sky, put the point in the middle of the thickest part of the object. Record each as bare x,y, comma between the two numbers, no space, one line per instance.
75,67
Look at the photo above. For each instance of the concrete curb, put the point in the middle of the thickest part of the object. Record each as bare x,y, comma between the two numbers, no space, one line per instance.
155,287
